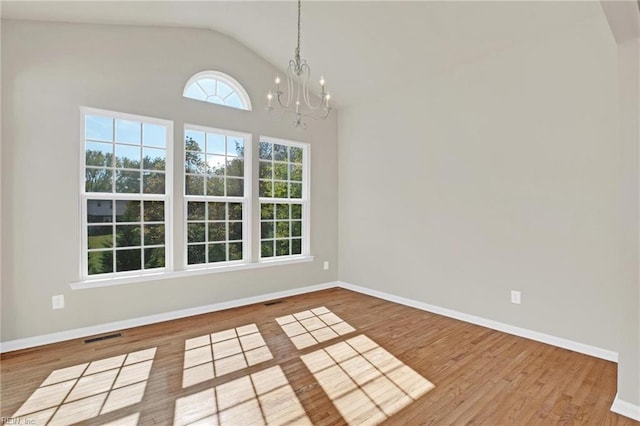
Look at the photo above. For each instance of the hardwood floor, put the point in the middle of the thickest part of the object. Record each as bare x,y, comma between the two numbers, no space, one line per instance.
400,366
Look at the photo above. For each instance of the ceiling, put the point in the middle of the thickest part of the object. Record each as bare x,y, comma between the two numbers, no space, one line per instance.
362,48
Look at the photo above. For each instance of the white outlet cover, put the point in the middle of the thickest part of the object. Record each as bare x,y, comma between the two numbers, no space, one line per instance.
516,297
326,266
57,302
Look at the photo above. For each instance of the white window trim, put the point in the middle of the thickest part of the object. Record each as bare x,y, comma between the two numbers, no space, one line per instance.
225,78
246,199
305,200
84,196
158,275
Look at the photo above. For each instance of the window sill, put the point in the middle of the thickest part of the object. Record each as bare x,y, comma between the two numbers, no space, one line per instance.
133,279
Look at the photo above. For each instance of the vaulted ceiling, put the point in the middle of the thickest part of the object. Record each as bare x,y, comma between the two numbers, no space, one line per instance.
362,48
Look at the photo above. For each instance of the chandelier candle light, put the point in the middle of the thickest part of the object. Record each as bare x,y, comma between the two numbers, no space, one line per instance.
298,75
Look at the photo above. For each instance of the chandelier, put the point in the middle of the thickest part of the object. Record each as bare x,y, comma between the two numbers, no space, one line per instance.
297,100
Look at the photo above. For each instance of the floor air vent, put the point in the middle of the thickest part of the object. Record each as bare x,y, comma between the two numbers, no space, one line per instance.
274,302
105,337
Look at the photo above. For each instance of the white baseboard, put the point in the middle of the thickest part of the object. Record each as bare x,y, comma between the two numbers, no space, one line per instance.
29,342
495,325
626,409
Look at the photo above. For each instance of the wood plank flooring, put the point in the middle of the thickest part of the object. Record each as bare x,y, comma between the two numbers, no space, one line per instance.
400,366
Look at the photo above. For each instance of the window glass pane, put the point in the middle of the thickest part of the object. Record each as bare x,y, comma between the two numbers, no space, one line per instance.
280,152
265,189
280,171
127,156
100,262
154,258
215,144
295,172
265,151
216,164
127,182
194,163
153,235
234,101
235,187
195,92
266,211
128,132
196,232
99,237
235,231
296,211
154,135
296,228
235,251
282,211
153,183
194,141
194,185
127,235
215,186
98,128
98,180
296,246
295,190
128,260
265,170
295,155
266,248
235,146
217,252
280,190
154,211
208,85
195,210
99,154
127,211
235,211
217,231
235,167
266,230
282,229
217,211
99,211
196,254
223,90
154,159
282,247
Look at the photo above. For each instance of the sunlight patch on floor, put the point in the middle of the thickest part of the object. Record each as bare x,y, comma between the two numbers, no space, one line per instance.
81,392
220,353
365,382
308,328
262,398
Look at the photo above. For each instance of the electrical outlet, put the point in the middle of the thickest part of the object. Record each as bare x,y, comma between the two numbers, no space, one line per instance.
516,297
57,302
326,266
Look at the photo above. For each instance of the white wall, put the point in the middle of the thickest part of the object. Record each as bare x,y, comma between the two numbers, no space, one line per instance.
503,174
48,71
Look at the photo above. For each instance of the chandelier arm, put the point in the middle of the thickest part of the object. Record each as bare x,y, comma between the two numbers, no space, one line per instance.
307,99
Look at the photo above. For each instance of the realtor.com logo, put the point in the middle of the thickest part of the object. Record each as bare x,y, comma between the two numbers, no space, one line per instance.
17,421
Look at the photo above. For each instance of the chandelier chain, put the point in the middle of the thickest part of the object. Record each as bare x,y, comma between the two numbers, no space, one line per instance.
298,47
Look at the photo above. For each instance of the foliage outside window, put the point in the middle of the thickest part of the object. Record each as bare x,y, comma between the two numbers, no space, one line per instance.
125,192
283,192
216,195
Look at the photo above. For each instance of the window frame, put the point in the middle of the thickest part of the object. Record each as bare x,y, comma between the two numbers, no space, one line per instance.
305,201
167,197
226,79
245,200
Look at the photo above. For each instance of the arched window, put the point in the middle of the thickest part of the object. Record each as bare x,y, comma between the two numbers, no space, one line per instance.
217,88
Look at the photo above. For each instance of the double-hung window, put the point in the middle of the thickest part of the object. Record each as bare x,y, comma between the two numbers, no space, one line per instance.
126,162
217,178
283,174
